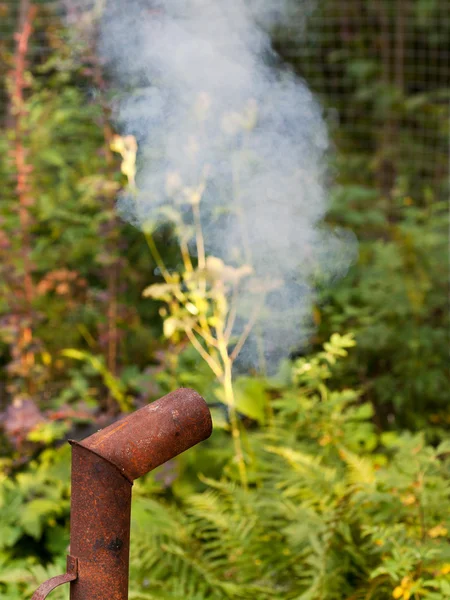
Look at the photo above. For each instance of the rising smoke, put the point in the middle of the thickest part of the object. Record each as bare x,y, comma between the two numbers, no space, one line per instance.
208,100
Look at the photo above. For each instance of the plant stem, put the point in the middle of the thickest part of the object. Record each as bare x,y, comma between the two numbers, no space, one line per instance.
213,365
247,250
232,314
200,245
230,401
157,257
186,256
235,431
18,109
206,335
247,331
260,345
199,237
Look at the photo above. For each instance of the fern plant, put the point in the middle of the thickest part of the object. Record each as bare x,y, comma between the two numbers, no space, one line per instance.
334,510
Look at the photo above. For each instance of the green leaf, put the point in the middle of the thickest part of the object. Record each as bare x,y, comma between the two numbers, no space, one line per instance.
251,398
35,513
114,384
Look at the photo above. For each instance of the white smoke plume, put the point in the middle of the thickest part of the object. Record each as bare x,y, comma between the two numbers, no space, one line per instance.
209,101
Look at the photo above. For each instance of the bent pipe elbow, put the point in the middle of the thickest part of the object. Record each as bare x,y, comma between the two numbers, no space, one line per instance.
154,434
104,467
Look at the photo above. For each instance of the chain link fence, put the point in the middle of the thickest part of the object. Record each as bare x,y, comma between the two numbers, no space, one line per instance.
381,69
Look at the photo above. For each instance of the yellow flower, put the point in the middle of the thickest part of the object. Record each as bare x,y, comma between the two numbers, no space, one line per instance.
117,144
403,590
127,148
46,358
438,531
325,440
408,500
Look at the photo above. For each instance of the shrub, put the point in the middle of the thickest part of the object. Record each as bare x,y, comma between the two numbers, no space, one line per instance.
333,510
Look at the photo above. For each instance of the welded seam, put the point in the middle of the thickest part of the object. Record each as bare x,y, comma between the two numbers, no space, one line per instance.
116,466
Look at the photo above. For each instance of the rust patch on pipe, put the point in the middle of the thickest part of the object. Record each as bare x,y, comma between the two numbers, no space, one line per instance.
103,469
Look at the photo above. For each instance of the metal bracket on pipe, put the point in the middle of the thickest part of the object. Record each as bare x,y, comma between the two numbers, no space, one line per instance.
72,573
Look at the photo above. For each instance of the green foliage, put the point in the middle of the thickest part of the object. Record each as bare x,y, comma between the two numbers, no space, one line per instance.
115,386
380,73
395,299
333,509
346,498
70,248
33,501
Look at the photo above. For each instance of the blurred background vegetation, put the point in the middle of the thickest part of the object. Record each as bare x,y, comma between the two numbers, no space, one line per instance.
347,449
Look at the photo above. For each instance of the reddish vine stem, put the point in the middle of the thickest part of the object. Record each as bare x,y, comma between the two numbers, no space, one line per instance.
27,13
19,112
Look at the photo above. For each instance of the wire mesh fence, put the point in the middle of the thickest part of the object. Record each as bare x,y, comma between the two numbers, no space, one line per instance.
381,69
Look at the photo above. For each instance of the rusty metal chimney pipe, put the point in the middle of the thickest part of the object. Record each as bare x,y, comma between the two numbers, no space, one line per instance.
104,467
